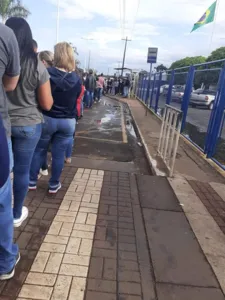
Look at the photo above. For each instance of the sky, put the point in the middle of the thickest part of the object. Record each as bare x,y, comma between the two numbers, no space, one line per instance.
148,23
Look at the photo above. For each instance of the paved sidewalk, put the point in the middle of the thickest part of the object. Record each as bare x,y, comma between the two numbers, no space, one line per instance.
114,236
112,233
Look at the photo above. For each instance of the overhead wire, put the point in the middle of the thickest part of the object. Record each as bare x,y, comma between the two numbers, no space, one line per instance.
135,20
120,9
124,17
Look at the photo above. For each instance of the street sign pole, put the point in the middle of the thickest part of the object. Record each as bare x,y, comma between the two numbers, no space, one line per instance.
151,59
148,91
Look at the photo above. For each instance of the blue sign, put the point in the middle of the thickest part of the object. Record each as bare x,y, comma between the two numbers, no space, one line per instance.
152,55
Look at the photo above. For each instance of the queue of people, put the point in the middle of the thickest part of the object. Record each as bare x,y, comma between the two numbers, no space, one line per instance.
94,87
119,86
40,102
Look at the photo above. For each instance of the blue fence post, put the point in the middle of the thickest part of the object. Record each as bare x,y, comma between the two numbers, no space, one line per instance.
212,115
143,92
169,93
142,86
149,85
138,87
216,117
187,94
148,89
153,87
158,93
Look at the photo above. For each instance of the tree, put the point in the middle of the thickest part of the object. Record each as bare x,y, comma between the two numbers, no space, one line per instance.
12,8
160,68
216,55
212,76
185,62
188,61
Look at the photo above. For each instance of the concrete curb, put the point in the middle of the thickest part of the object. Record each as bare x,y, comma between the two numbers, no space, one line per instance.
152,163
151,160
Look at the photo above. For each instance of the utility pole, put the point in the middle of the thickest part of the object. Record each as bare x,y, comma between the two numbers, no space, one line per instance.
89,52
57,23
124,54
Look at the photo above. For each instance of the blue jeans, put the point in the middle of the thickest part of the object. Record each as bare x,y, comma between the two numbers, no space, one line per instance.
45,164
58,132
125,91
69,149
24,142
99,94
85,99
82,107
8,250
90,97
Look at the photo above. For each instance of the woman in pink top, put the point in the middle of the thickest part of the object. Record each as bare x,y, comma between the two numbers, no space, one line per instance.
100,86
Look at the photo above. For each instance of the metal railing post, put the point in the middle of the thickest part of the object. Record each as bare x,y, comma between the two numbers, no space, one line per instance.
142,81
169,136
143,89
219,106
158,93
152,93
169,94
148,90
213,114
187,94
136,88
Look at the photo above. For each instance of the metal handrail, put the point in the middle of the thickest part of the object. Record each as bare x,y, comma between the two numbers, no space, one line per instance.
169,136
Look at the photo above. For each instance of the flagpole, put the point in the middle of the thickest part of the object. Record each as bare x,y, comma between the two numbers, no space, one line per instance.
213,28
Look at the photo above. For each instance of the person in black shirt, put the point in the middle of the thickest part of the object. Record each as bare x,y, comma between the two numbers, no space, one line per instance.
90,86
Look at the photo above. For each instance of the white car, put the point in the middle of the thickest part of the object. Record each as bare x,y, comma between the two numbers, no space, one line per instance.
177,94
204,98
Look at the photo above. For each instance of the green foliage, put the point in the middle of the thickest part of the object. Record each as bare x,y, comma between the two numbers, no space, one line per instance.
188,61
161,68
204,74
180,79
216,55
12,8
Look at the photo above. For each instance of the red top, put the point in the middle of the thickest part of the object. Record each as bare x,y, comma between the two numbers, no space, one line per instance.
79,100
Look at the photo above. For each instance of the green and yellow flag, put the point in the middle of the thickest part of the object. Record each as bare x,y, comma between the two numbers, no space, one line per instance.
208,17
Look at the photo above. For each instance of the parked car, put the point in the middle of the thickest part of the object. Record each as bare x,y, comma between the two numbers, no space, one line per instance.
166,89
163,88
177,93
204,98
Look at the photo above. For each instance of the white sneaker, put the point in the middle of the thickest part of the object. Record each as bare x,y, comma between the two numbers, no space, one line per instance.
44,172
11,273
24,215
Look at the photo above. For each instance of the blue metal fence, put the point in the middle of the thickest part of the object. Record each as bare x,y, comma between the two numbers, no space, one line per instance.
204,128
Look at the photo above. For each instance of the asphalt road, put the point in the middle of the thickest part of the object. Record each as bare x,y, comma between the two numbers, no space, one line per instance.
198,116
106,132
196,127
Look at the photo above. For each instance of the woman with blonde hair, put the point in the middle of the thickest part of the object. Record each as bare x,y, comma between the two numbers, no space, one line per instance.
47,57
60,121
